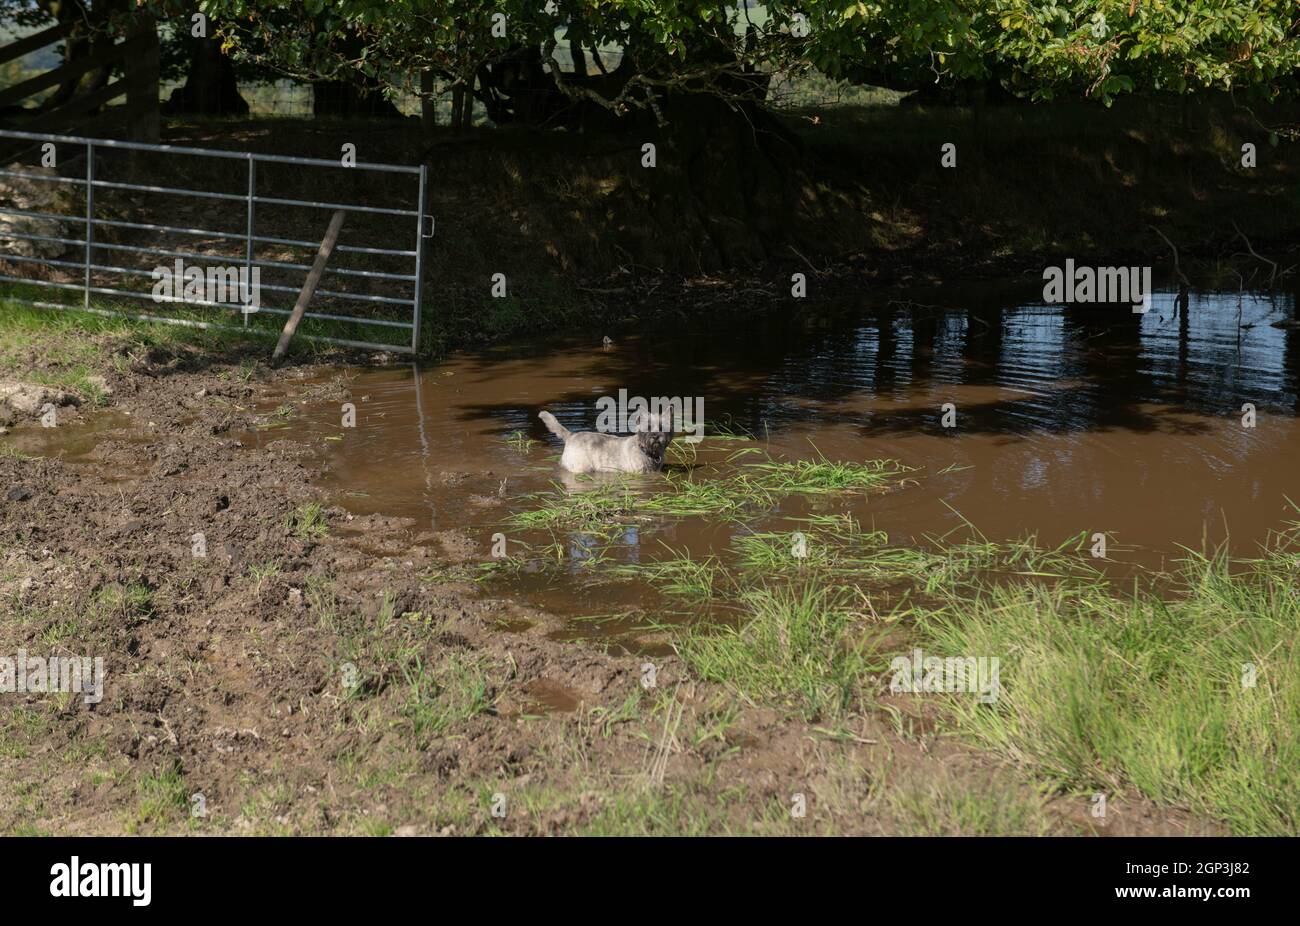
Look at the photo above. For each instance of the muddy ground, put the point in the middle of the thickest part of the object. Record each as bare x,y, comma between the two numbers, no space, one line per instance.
323,675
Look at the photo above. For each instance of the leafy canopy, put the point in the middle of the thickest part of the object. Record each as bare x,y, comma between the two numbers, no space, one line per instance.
1035,48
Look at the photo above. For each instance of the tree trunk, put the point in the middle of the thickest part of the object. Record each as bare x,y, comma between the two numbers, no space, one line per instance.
210,87
517,90
81,43
428,105
361,99
457,105
728,169
467,107
142,83
353,96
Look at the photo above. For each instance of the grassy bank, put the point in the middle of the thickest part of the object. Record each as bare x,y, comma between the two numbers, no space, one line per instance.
1177,687
73,350
1193,700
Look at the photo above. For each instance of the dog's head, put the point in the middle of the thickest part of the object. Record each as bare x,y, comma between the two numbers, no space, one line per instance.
654,432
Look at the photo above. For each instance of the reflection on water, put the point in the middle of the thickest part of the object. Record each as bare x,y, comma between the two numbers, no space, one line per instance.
1066,418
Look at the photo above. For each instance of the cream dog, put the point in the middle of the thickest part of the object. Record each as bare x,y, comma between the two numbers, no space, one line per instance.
593,452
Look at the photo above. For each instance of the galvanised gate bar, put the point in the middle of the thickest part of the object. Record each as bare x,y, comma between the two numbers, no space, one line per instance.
415,238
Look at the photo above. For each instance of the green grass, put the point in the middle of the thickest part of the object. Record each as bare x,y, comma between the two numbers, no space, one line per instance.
521,442
162,797
439,699
78,351
1103,686
68,361
76,347
59,631
965,805
117,603
750,488
385,668
307,522
23,728
261,572
26,326
670,811
801,647
1108,691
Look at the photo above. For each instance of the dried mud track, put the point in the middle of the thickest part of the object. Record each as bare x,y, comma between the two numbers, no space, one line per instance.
300,680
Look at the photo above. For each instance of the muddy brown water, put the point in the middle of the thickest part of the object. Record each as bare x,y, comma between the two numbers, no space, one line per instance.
1067,419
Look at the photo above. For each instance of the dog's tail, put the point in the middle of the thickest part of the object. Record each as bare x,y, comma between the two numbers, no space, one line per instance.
554,426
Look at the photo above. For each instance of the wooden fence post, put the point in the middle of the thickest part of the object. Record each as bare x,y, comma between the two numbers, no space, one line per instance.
309,286
142,82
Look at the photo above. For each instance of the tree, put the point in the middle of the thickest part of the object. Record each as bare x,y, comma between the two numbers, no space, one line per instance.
1037,48
692,76
90,25
1041,49
193,50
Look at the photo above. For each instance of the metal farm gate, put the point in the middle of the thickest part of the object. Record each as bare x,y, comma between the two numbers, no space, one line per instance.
101,257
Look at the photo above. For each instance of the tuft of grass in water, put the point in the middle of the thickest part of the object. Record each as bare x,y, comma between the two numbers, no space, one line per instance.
307,522
596,511
1193,701
521,442
686,497
604,509
798,647
728,430
822,476
763,484
833,548
799,552
678,575
278,418
688,451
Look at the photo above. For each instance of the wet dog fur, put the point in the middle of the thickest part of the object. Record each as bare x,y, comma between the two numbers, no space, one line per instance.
593,452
